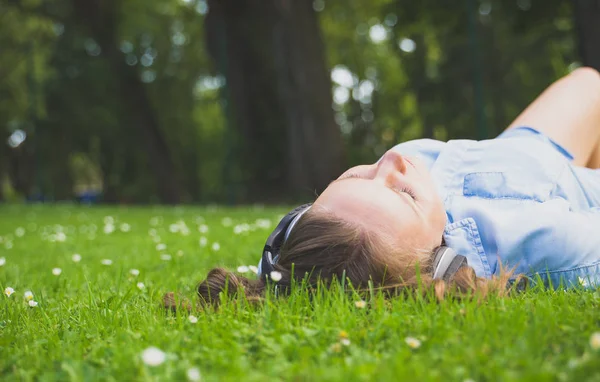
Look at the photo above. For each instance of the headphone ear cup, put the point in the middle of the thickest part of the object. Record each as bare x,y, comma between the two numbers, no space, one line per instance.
457,263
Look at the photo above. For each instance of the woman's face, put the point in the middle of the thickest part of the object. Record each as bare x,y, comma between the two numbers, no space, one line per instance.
396,197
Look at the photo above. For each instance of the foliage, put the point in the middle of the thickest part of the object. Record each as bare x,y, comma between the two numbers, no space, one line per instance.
93,321
413,69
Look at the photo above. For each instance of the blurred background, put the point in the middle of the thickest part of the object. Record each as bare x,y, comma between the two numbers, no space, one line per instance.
244,101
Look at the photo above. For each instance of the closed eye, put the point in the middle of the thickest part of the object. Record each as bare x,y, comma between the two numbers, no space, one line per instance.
402,190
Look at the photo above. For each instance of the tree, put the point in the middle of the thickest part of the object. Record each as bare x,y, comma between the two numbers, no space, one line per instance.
278,93
587,20
102,18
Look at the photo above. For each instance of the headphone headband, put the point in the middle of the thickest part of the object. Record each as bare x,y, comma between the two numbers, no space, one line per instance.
277,238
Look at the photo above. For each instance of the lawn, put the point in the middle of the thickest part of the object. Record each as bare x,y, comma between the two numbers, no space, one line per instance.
99,313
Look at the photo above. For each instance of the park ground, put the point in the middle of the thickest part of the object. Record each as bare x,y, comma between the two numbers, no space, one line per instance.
82,288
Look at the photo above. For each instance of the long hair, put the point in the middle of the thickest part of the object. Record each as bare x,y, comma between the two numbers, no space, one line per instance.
322,247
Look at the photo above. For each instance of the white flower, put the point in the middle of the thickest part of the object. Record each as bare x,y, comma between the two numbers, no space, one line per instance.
76,257
263,223
193,319
109,220
125,227
584,282
153,356
140,285
203,228
32,303
275,276
174,228
412,342
8,245
61,237
28,295
226,221
134,272
106,262
2,261
216,246
360,304
161,247
193,374
203,241
156,239
109,228
243,269
595,341
8,291
253,268
165,257
345,341
20,231
56,271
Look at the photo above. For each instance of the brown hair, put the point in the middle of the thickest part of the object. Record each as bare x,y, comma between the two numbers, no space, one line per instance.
322,247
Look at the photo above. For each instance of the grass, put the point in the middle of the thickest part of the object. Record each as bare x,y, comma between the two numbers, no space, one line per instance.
92,321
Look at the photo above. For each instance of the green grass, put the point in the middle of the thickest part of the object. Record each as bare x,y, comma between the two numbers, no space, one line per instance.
93,322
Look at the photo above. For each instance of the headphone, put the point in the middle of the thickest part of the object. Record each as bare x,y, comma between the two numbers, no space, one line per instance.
445,264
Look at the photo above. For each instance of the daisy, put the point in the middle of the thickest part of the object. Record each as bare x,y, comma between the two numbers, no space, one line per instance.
134,272
32,303
109,228
412,342
216,246
76,257
106,262
193,374
193,319
125,227
203,241
56,271
153,356
275,276
253,268
243,269
140,285
8,291
360,304
2,261
165,257
28,295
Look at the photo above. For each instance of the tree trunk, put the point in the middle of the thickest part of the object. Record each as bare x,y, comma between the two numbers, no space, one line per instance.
279,93
587,21
101,19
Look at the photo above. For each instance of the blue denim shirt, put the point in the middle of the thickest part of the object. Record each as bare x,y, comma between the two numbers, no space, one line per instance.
518,200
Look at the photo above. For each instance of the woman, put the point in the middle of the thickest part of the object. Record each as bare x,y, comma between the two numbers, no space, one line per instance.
526,201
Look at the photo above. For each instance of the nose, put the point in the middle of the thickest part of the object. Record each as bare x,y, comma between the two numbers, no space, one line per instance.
390,163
